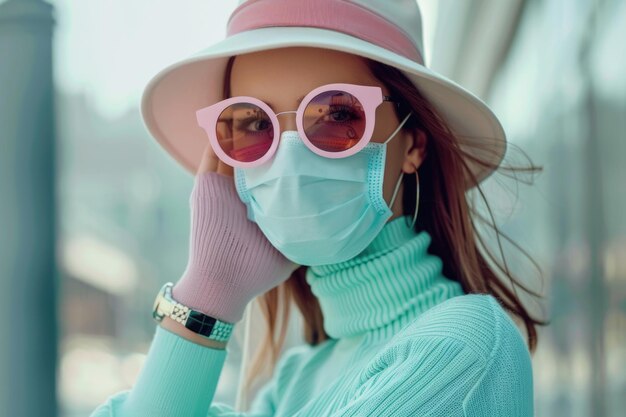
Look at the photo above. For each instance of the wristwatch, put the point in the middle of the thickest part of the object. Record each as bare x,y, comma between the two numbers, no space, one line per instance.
194,320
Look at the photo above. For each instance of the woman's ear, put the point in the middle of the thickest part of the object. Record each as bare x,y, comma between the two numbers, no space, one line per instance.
415,152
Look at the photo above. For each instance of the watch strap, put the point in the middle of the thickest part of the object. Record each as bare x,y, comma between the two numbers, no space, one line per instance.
194,320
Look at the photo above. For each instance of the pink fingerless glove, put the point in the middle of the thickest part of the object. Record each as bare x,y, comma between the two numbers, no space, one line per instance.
230,259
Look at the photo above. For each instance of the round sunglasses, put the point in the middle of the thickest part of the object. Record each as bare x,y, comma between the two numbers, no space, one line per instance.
334,121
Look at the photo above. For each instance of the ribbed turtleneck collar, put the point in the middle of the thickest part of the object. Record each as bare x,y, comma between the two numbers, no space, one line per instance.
384,287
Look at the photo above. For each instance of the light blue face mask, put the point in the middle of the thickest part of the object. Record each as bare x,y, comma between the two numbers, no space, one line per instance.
317,210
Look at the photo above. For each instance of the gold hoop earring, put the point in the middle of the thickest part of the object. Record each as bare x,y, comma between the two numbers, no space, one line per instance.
417,197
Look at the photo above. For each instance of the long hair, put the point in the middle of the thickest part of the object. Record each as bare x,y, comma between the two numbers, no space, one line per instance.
445,211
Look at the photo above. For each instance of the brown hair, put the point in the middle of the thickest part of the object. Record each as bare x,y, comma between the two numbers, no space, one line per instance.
445,211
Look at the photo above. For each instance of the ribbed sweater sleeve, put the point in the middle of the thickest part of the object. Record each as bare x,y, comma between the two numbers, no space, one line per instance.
178,379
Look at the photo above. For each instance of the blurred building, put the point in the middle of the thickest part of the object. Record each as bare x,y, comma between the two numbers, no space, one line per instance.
561,92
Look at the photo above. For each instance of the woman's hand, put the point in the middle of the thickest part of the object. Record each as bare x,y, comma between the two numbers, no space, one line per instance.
230,259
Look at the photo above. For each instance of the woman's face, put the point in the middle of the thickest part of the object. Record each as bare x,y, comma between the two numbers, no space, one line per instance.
280,77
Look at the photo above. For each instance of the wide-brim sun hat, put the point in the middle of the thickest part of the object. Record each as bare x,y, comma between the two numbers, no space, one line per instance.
388,31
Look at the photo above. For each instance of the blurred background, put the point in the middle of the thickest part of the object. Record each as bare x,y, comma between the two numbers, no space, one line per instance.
94,216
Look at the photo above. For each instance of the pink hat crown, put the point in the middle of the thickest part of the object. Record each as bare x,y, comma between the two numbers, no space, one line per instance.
395,25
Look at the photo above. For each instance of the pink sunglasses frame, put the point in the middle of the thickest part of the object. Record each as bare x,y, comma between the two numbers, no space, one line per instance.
369,96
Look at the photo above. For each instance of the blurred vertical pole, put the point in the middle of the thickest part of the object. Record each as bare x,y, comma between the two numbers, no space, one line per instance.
593,206
28,272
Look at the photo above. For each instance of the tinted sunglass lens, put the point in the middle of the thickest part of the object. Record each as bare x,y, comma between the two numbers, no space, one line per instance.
244,132
334,121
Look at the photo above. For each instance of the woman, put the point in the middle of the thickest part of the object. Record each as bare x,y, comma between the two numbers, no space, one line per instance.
326,134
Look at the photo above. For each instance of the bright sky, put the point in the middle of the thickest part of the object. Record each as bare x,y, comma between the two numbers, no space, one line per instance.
109,50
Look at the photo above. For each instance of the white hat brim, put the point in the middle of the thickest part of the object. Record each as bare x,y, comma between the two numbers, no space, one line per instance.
173,95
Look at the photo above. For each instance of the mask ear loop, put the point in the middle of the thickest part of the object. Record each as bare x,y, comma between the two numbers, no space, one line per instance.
398,128
395,191
417,194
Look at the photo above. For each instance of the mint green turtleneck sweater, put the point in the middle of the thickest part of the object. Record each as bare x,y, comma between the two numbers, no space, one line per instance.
406,342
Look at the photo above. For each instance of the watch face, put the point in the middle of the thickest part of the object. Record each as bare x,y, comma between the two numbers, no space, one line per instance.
200,323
